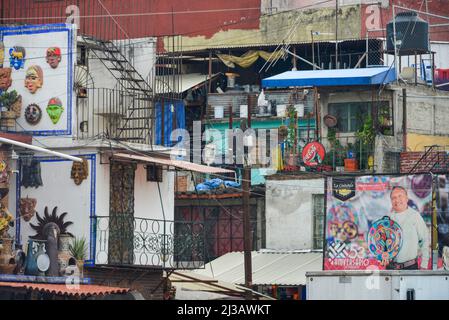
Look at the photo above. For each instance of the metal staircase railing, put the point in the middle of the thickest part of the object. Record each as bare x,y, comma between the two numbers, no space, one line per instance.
434,159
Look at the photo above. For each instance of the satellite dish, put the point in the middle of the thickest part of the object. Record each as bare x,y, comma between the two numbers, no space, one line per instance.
43,262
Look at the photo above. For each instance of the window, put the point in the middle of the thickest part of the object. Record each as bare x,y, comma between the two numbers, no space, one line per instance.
318,220
350,115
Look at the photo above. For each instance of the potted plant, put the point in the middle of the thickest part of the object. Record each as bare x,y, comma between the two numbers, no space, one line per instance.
11,104
78,249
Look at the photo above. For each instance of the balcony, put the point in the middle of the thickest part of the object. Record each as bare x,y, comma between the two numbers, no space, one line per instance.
114,114
125,240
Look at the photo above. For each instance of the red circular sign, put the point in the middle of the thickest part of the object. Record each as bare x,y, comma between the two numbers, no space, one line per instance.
313,154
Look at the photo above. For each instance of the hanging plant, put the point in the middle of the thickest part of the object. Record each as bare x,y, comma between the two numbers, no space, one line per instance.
367,134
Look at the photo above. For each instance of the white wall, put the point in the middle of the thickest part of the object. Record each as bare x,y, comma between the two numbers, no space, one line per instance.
56,82
60,190
289,213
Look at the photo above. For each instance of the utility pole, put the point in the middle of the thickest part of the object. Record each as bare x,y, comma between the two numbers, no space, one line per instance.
313,50
247,245
336,34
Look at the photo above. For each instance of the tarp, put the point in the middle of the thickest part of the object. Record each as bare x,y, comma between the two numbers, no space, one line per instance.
247,59
330,78
172,109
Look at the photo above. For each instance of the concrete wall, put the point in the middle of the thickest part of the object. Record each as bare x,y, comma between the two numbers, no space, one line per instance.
289,213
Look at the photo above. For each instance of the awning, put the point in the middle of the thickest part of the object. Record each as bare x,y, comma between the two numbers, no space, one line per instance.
330,78
81,290
269,268
184,165
181,83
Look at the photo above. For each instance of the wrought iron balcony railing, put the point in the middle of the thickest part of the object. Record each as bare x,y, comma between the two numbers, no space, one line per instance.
125,240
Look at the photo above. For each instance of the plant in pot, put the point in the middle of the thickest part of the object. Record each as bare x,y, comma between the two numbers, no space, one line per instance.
78,250
367,136
11,105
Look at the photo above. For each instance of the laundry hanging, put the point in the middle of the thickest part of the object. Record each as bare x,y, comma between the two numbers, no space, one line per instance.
247,59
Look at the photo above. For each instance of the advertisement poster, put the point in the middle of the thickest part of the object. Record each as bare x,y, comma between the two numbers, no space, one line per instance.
442,212
378,222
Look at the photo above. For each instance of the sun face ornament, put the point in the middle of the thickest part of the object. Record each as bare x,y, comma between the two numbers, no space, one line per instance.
33,114
54,57
34,79
55,109
17,57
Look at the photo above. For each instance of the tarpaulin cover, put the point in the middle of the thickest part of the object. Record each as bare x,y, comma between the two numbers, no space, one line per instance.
172,109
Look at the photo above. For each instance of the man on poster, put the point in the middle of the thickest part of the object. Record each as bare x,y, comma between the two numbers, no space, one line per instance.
415,236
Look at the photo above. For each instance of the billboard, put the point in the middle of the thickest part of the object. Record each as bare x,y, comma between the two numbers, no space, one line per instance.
40,62
378,222
442,220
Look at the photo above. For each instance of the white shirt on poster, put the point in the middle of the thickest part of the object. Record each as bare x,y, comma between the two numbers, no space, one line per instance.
415,237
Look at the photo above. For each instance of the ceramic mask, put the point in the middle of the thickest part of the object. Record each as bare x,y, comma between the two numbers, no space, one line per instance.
55,109
54,57
4,174
17,57
34,79
27,208
33,114
80,171
5,78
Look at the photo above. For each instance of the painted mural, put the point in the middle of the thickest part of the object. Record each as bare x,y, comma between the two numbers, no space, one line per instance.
442,220
378,222
38,67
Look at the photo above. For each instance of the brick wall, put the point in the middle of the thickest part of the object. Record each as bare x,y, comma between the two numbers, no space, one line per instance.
143,280
409,159
439,160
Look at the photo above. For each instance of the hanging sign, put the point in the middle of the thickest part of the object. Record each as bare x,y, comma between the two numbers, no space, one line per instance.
313,154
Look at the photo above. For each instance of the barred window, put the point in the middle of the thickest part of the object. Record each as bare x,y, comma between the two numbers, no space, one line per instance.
318,220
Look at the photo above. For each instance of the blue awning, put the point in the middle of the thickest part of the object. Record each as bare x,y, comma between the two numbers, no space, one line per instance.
330,78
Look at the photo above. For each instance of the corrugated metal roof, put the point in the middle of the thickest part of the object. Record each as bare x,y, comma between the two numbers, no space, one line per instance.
335,77
81,290
182,82
269,268
175,163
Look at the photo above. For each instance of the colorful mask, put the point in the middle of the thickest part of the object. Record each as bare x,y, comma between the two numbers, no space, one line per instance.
5,78
80,171
17,57
34,79
2,54
55,109
54,57
27,208
33,114
4,172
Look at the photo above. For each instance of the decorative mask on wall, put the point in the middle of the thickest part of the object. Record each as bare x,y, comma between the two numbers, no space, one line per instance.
27,208
5,78
31,174
80,171
33,114
17,57
2,54
34,79
55,109
54,57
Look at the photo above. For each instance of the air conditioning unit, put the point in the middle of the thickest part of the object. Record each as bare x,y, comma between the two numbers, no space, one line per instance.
154,173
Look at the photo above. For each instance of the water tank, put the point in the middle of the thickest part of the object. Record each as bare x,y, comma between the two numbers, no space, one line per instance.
412,34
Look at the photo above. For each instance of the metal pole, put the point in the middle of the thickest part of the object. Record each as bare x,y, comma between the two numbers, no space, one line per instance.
404,118
394,45
336,34
313,50
246,184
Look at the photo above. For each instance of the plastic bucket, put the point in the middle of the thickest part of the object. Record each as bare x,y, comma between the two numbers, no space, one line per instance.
243,111
218,112
281,110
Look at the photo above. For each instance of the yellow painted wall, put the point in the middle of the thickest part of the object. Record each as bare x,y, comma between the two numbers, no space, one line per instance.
417,142
275,28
